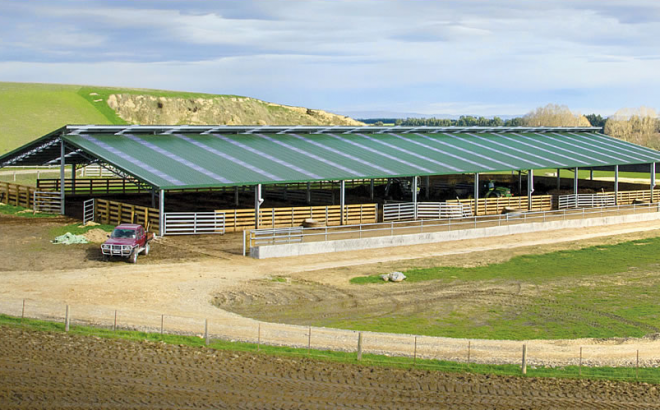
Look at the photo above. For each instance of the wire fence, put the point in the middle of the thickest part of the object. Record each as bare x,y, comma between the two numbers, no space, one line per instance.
626,361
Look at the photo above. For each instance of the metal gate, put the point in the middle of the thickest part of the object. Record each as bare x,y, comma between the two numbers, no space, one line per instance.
89,210
425,210
194,223
47,201
586,201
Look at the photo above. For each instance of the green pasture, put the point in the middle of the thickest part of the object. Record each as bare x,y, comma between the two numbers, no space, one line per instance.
626,374
7,209
601,291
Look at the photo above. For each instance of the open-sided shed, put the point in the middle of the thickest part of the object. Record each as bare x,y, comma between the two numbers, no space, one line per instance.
162,158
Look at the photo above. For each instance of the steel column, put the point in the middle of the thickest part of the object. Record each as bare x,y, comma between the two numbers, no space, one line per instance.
575,181
558,179
530,188
258,200
652,179
476,193
414,197
371,189
236,199
427,187
616,184
73,178
342,199
161,212
309,193
153,198
520,183
62,176
591,175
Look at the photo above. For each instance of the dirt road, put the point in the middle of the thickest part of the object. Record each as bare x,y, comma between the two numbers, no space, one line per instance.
179,283
48,371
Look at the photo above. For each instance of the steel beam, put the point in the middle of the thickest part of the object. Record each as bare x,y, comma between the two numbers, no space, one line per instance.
258,200
342,200
530,188
575,181
62,176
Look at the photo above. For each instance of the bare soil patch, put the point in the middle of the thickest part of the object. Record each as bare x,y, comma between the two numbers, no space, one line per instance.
55,370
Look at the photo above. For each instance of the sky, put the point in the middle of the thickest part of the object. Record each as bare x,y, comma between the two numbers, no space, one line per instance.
472,57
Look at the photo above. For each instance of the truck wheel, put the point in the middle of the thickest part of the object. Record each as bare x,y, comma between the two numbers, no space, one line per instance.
133,257
105,258
146,249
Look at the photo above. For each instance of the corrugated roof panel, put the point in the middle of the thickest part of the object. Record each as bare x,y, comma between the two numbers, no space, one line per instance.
250,155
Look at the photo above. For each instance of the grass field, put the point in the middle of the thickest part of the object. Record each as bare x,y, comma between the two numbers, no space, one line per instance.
8,209
601,291
649,375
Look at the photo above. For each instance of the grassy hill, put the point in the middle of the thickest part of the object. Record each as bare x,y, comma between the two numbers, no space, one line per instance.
28,111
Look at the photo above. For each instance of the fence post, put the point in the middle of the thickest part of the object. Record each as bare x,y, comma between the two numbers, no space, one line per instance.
580,367
309,340
259,337
114,325
66,319
23,311
206,331
162,324
469,346
637,367
524,359
359,347
415,353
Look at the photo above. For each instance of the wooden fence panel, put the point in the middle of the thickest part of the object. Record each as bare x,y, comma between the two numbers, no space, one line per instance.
115,213
491,206
18,195
243,219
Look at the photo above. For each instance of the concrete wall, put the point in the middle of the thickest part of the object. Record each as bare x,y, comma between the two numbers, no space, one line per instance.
309,248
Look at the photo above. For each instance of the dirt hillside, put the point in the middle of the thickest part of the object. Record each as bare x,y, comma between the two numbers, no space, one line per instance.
221,110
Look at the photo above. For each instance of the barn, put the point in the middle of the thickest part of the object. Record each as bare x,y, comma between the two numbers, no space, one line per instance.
170,176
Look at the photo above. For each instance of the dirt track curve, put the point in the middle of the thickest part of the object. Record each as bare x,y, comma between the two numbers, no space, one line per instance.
54,370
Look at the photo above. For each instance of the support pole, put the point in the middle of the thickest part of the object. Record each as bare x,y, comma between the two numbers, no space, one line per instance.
575,181
427,187
476,193
73,178
161,212
371,189
530,188
616,184
342,200
153,198
258,200
414,197
591,174
62,176
652,179
236,201
558,179
520,183
309,193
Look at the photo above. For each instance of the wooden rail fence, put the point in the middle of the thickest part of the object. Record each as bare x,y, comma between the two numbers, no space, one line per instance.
491,206
115,213
243,219
18,195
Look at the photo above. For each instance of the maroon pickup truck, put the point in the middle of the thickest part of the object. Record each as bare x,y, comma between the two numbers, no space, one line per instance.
127,241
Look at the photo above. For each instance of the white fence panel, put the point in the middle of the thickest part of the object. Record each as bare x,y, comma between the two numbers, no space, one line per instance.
89,210
586,201
194,223
425,210
47,201
399,212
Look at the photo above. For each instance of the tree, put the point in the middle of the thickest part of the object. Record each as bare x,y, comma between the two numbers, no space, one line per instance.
553,115
639,126
596,120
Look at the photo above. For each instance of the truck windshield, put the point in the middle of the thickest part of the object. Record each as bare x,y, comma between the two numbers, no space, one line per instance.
123,233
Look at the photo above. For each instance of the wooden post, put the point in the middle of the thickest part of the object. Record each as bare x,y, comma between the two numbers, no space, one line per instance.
23,311
359,347
469,348
309,340
162,323
114,325
259,337
415,353
637,367
66,319
206,331
524,359
580,367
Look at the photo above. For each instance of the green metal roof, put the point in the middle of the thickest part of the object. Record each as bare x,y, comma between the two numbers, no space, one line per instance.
189,157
